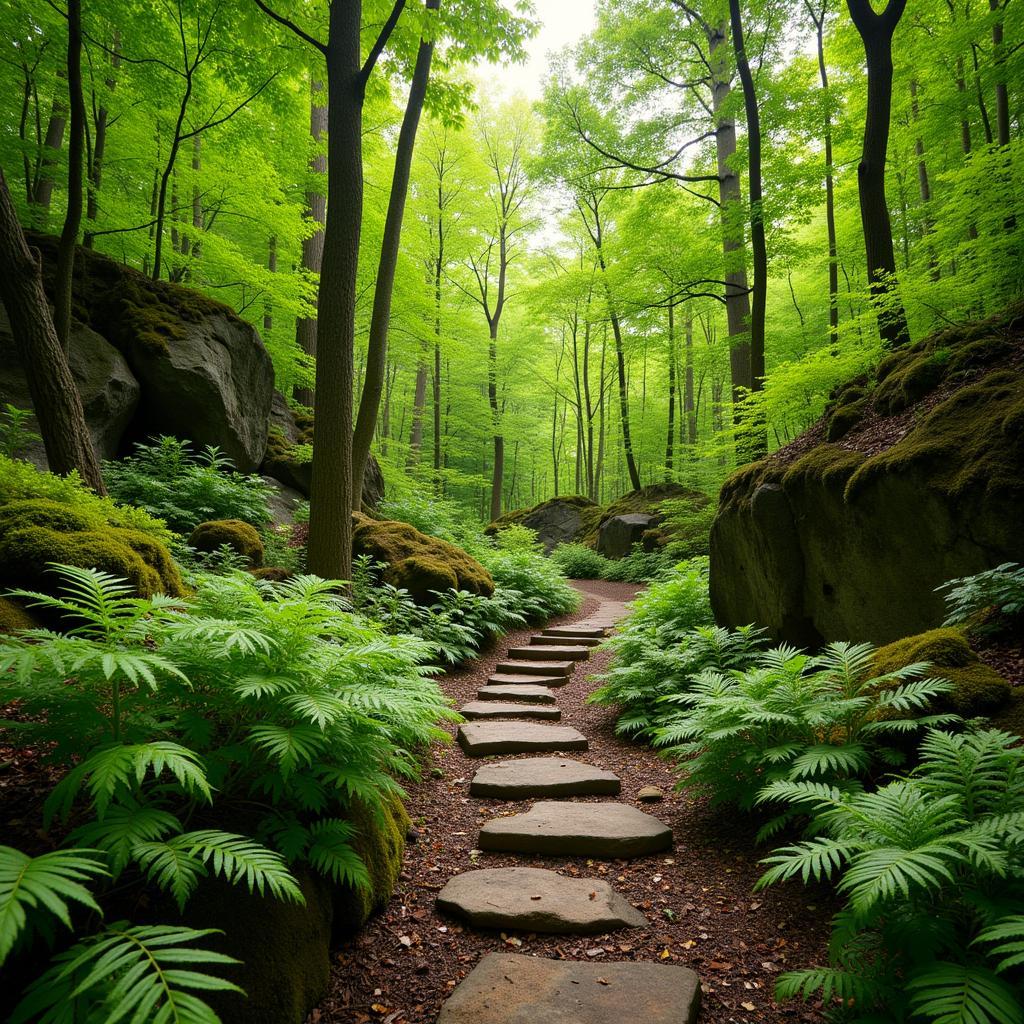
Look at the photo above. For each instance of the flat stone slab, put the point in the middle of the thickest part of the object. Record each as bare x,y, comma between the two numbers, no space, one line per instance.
535,900
531,777
499,709
536,667
508,988
555,641
572,632
525,679
605,830
526,693
478,739
559,653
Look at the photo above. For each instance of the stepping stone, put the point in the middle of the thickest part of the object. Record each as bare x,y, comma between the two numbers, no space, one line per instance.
543,777
573,632
523,679
478,739
524,692
554,641
508,988
603,830
493,709
535,668
535,900
560,653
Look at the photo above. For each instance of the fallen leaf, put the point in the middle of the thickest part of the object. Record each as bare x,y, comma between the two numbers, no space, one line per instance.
748,1006
602,981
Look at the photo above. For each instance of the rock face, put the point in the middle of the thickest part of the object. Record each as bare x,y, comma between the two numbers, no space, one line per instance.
109,390
555,521
514,989
536,900
850,544
616,536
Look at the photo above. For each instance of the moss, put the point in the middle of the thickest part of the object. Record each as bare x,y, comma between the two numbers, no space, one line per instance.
393,543
971,442
273,573
53,515
845,418
589,511
422,575
828,464
982,352
739,488
380,842
646,501
977,688
14,618
910,382
239,536
1011,717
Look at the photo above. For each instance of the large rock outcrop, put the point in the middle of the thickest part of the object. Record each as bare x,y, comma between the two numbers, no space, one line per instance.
560,520
848,540
203,372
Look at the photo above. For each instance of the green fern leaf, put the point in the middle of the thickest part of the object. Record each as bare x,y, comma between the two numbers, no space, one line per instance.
950,993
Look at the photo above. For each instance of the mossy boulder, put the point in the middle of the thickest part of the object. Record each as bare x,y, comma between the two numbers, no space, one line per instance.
14,618
380,842
560,520
978,689
849,544
236,534
417,561
34,533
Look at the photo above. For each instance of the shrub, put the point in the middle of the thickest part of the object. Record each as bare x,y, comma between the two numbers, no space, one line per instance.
932,868
539,586
580,562
183,489
992,602
639,566
687,527
15,434
240,537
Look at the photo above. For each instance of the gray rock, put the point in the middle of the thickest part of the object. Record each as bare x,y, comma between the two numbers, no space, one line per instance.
109,390
617,535
507,988
558,653
603,830
529,777
282,502
556,641
525,679
537,900
478,739
650,794
527,694
494,709
572,632
556,521
536,667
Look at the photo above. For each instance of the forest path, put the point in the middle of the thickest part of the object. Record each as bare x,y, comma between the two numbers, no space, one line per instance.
697,897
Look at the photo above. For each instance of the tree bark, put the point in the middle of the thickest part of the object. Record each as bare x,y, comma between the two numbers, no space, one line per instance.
1002,92
52,143
55,398
689,406
376,356
671,436
876,32
99,147
268,308
76,147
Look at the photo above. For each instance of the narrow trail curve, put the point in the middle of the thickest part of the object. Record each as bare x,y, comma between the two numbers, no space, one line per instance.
697,897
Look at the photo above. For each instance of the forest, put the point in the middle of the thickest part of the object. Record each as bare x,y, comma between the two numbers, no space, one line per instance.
673,347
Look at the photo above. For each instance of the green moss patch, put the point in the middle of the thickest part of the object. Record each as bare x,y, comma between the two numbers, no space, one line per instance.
237,535
14,618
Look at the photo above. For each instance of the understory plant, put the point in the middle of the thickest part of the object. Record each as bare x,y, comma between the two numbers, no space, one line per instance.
989,602
742,736
931,866
185,489
580,562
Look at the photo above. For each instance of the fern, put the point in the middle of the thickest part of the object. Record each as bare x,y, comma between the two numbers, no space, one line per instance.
953,993
1009,933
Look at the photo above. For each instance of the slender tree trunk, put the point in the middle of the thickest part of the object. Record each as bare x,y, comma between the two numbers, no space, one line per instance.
99,148
924,187
1002,92
76,146
268,308
55,398
381,315
313,245
438,487
197,199
688,399
498,465
965,127
671,437
52,143
876,31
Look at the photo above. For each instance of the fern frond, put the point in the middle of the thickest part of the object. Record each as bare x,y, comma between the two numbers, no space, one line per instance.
1012,951
952,993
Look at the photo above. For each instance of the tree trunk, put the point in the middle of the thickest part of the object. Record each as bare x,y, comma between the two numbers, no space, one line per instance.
876,31
197,198
671,436
52,143
377,350
438,486
55,398
1002,93
498,466
268,308
312,246
76,146
689,406
99,148
756,444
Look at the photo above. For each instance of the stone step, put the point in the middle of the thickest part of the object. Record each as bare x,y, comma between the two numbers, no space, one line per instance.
509,988
604,830
478,739
494,709
536,900
536,667
559,653
572,632
531,777
523,692
525,679
555,641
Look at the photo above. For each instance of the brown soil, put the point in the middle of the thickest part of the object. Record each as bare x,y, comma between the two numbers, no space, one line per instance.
698,898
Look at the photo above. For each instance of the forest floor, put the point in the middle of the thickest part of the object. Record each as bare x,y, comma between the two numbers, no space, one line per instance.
698,898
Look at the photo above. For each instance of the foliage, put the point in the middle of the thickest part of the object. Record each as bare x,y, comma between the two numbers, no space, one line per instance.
183,489
580,562
991,601
794,722
932,869
15,435
539,587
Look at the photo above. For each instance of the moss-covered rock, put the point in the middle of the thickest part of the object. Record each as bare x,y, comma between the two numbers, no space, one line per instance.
416,560
237,535
14,618
848,544
35,533
978,689
565,519
380,842
273,574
